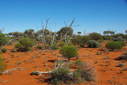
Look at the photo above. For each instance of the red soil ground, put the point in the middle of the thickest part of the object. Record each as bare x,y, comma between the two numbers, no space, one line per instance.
39,60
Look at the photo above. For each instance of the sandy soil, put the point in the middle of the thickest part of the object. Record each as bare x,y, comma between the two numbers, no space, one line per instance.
40,60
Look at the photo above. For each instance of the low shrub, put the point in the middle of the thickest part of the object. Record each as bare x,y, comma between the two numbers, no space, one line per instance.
53,47
80,40
60,44
3,40
40,47
3,50
69,51
24,44
93,44
114,45
60,76
95,36
2,65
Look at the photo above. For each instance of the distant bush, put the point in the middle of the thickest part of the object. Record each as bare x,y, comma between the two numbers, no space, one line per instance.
60,44
92,44
80,40
3,40
3,50
2,65
39,47
54,47
24,44
69,51
114,45
95,36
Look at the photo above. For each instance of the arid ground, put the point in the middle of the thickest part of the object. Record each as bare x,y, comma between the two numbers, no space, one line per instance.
21,64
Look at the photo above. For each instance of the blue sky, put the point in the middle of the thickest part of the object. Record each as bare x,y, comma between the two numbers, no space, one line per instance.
90,15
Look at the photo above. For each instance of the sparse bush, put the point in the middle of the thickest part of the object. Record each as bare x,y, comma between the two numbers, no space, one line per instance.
40,47
60,44
92,44
80,40
60,76
2,65
114,45
69,51
95,36
53,47
3,50
3,40
24,44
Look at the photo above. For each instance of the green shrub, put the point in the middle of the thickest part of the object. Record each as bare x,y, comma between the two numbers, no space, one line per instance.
2,65
80,40
3,50
60,76
24,44
53,47
60,44
63,75
69,51
92,44
3,40
114,45
39,47
95,36
84,72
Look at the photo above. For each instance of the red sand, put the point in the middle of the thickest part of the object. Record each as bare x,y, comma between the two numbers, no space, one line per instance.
38,60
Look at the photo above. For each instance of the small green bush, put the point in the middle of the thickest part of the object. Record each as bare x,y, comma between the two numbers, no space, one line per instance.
60,76
63,75
24,44
92,44
3,40
53,47
95,36
69,51
2,65
3,50
39,47
60,44
80,40
114,45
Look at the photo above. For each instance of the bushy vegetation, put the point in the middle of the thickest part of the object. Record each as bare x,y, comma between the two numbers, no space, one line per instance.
69,51
64,75
3,40
114,45
2,64
95,36
80,40
3,50
93,44
24,44
60,76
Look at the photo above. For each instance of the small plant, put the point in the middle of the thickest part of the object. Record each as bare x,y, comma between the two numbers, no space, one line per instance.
95,36
53,47
60,76
24,44
60,44
3,40
114,45
2,65
69,51
92,44
3,50
86,72
40,47
80,40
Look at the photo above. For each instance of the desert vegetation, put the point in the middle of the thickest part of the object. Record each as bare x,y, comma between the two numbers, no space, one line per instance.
71,51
